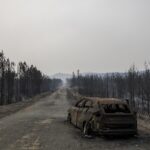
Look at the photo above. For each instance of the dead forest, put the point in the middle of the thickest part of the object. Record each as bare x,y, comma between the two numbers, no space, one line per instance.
133,86
22,81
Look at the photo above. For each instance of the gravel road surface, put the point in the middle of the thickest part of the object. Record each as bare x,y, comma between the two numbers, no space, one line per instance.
43,126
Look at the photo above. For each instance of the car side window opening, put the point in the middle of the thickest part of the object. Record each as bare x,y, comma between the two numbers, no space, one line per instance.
80,103
116,108
76,105
88,104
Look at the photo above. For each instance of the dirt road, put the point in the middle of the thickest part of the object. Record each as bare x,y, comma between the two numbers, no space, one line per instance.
43,126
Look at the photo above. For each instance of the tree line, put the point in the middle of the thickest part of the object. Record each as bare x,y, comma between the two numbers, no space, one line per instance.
133,85
22,81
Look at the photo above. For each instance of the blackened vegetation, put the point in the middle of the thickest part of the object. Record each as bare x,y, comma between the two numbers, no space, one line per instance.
22,81
133,85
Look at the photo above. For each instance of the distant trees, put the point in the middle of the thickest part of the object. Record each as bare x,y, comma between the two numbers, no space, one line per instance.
23,82
7,78
30,79
133,85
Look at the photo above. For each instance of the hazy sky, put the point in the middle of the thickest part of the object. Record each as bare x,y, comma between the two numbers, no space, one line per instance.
64,35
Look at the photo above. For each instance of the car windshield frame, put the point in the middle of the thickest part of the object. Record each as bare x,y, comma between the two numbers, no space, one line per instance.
80,103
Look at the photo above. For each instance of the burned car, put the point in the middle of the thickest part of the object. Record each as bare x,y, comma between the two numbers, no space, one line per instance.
103,116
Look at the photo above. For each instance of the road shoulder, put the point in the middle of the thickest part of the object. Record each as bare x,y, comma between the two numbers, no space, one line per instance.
7,110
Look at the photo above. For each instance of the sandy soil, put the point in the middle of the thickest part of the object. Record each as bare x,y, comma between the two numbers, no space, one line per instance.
43,126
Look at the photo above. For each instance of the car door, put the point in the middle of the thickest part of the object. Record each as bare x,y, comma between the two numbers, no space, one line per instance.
74,112
82,115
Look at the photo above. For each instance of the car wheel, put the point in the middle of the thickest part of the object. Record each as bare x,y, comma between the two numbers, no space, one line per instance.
69,118
87,131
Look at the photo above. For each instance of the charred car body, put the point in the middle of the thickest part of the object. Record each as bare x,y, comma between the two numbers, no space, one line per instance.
103,116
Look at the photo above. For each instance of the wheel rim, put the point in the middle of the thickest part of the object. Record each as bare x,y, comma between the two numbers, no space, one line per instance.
84,130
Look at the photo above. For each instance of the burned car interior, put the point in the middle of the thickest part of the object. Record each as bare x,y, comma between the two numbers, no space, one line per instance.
116,108
106,116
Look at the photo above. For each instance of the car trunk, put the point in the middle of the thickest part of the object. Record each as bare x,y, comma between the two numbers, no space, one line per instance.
119,121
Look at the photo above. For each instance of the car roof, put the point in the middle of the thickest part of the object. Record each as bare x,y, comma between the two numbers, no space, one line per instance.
98,100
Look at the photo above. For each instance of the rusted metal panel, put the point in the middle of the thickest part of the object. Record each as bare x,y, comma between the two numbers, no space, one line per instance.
105,115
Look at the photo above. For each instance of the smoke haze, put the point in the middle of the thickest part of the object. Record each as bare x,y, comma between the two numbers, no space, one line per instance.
64,35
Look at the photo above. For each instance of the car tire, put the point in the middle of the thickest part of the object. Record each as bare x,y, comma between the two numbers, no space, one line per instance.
69,118
86,130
